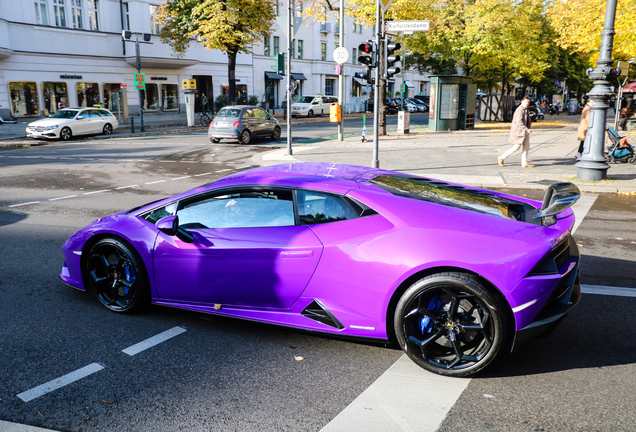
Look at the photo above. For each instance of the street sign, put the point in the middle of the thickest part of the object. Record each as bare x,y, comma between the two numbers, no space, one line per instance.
140,81
341,55
385,4
407,26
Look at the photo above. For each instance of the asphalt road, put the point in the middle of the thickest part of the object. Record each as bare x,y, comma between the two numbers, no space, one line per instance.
229,375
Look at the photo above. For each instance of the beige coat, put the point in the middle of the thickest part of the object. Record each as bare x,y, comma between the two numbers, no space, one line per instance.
585,120
518,130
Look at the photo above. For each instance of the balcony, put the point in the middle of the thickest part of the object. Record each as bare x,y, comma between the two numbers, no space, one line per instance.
325,28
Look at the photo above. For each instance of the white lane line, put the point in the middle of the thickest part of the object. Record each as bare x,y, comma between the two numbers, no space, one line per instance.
126,187
94,192
18,427
61,198
581,207
418,401
23,204
57,383
223,170
158,181
199,175
181,178
155,340
608,291
49,157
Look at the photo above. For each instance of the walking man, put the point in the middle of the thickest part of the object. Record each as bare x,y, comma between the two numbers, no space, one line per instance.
520,134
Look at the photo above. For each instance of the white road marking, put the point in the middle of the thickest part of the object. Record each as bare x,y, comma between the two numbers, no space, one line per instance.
581,207
94,192
57,383
608,291
155,340
199,175
23,204
158,181
223,170
181,178
61,198
126,187
6,426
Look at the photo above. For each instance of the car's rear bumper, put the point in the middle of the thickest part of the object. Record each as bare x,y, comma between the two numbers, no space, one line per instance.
224,133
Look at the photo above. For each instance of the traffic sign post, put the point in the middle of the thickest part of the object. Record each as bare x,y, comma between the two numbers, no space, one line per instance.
140,81
407,26
341,55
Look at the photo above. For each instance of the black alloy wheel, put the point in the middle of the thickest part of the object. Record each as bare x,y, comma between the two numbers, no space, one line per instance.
117,276
66,134
449,324
276,134
246,137
108,129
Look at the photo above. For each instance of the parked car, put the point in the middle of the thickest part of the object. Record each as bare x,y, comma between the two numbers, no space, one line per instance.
457,276
421,105
312,105
389,106
411,106
70,122
243,123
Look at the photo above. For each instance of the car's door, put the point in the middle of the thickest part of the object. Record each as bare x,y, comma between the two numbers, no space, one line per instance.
97,121
265,124
250,121
247,251
82,126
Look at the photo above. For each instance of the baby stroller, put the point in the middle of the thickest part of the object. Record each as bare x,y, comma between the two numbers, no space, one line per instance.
619,149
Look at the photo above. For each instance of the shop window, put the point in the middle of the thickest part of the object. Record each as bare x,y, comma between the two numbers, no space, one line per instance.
150,96
24,99
41,12
59,8
76,13
87,94
55,95
170,97
93,19
112,97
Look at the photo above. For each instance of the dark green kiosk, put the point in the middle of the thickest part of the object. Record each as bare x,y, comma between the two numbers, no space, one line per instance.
452,103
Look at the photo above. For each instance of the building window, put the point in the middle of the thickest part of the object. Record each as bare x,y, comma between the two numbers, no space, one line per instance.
354,57
170,96
87,94
293,48
300,50
329,86
150,97
76,13
323,51
112,97
93,21
60,13
277,8
154,27
24,99
276,45
41,13
266,46
126,17
55,96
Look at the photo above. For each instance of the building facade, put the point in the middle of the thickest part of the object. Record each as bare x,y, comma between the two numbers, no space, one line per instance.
58,53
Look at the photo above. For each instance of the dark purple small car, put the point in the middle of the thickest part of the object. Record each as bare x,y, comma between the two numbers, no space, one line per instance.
456,275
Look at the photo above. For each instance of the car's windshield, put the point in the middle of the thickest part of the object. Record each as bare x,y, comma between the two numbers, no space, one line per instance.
305,99
65,114
226,112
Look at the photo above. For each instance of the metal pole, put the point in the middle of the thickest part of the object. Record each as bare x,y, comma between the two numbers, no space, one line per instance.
289,82
341,84
593,165
376,99
141,103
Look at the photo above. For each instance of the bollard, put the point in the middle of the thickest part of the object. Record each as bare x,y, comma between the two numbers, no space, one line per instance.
132,124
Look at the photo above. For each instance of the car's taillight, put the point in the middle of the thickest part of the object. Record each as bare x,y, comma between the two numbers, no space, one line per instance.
236,124
212,123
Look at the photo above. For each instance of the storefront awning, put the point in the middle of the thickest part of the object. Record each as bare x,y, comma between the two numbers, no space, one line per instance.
273,76
409,84
298,77
162,63
359,81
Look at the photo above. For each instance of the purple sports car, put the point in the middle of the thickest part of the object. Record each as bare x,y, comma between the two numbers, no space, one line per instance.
456,275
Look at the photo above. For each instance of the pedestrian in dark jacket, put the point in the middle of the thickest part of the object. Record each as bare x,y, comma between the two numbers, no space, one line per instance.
520,134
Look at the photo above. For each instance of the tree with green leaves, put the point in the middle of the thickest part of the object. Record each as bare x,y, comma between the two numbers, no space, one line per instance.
231,26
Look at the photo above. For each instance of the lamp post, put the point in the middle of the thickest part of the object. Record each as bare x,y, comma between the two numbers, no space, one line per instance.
125,37
593,165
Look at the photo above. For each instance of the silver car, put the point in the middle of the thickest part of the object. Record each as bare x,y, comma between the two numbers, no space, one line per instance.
70,122
243,123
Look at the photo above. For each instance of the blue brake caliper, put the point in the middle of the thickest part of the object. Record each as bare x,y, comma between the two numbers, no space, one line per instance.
426,324
130,275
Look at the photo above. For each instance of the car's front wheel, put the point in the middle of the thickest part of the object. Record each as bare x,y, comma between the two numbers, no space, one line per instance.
108,129
246,137
449,324
310,113
276,134
66,134
117,276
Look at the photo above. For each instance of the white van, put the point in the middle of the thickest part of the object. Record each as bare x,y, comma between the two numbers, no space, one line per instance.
312,105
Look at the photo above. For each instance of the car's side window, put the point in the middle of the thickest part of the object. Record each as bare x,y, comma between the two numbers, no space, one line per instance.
248,113
245,208
317,207
260,113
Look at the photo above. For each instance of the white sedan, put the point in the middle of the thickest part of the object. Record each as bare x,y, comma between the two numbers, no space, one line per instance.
70,122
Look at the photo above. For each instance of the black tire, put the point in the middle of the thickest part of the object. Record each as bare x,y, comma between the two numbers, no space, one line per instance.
449,324
310,113
66,134
108,129
205,121
215,140
246,137
117,276
631,160
276,134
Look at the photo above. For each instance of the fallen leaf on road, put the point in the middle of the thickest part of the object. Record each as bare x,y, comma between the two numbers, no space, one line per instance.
299,358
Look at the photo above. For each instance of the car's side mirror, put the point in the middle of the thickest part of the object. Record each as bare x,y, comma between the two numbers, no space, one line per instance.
170,225
80,117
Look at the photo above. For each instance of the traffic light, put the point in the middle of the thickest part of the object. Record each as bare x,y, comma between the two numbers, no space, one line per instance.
366,76
392,59
366,54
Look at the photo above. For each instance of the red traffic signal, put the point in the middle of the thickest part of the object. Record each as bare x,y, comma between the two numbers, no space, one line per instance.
366,47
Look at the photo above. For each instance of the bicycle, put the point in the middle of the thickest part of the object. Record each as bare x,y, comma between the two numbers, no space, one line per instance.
206,118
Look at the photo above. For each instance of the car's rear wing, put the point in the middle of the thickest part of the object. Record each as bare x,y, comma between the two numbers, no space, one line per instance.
559,196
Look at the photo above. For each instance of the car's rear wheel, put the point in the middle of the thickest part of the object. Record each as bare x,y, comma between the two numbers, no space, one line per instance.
215,140
310,113
117,276
276,134
246,137
66,134
449,324
108,129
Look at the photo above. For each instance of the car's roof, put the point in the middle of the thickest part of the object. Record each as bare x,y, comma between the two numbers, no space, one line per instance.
82,108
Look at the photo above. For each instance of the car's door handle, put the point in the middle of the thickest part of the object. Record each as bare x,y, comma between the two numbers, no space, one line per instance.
297,254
